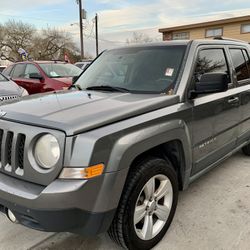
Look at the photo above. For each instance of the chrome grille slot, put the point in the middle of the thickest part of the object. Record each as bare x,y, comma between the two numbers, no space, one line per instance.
1,139
12,151
20,150
8,148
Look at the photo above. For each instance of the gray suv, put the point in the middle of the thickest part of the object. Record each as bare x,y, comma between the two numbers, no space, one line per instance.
112,153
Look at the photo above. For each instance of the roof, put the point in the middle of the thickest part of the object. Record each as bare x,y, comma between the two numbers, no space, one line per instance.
42,62
207,24
164,43
218,40
53,61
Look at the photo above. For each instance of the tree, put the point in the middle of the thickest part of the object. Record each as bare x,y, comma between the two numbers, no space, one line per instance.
47,44
52,44
139,37
15,35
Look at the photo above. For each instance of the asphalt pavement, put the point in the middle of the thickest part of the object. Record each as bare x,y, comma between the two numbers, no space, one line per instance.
213,214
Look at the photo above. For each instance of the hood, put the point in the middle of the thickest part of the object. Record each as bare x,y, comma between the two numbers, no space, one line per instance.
77,111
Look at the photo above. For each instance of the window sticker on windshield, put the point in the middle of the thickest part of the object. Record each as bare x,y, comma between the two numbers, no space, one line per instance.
53,74
169,72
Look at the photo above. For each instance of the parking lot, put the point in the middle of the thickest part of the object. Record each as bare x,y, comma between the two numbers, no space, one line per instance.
214,213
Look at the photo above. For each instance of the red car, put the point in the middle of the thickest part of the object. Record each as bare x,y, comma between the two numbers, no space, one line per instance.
42,76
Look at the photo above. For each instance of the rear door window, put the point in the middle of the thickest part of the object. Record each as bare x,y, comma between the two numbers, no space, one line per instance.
240,64
18,71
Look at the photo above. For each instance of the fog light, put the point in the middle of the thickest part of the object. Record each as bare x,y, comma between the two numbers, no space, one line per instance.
11,216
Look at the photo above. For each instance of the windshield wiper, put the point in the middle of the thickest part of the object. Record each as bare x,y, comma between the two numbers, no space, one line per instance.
108,88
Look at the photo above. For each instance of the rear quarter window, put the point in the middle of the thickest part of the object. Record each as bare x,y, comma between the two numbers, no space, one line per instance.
240,63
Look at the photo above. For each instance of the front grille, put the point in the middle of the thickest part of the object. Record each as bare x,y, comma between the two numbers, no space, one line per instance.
8,98
16,156
12,151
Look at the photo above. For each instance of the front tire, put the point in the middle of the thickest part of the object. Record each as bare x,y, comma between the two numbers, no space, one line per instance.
147,205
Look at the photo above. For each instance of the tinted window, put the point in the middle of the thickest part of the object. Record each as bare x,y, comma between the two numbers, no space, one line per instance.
31,69
142,69
79,65
239,64
210,60
7,71
19,71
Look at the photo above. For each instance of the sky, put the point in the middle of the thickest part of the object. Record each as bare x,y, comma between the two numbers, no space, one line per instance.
118,19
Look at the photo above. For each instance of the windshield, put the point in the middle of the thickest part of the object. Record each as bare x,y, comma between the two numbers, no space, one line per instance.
58,70
151,69
3,79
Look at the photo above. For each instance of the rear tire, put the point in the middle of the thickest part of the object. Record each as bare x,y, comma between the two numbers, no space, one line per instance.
147,205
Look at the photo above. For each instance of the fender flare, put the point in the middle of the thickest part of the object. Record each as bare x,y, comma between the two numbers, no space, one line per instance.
128,147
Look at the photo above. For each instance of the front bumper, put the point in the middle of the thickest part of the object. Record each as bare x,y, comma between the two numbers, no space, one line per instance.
79,206
70,220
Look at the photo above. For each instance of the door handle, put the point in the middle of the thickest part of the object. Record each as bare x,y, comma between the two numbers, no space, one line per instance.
233,100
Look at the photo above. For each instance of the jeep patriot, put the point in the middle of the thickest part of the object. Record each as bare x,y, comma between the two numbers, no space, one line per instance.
112,153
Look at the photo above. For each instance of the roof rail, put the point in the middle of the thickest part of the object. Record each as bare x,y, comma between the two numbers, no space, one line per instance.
228,39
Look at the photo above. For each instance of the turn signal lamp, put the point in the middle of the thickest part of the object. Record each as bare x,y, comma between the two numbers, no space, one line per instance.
82,173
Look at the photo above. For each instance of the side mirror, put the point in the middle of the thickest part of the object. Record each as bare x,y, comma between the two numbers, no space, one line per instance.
35,76
210,83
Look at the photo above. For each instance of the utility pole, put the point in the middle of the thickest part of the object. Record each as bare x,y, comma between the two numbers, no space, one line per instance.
96,35
79,2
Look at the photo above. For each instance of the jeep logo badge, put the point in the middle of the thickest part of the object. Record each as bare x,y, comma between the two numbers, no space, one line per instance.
2,113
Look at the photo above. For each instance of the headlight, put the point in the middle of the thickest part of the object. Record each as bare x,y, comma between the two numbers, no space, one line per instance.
47,151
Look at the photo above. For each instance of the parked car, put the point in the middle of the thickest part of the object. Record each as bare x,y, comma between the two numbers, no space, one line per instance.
2,68
42,76
113,153
10,90
84,64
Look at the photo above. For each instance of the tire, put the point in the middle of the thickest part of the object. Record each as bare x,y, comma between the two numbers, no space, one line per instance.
246,150
125,229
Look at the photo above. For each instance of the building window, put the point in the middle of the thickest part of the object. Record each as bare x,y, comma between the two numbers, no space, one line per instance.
181,36
245,28
214,32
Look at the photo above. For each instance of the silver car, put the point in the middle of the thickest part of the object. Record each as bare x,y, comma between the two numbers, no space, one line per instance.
10,90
